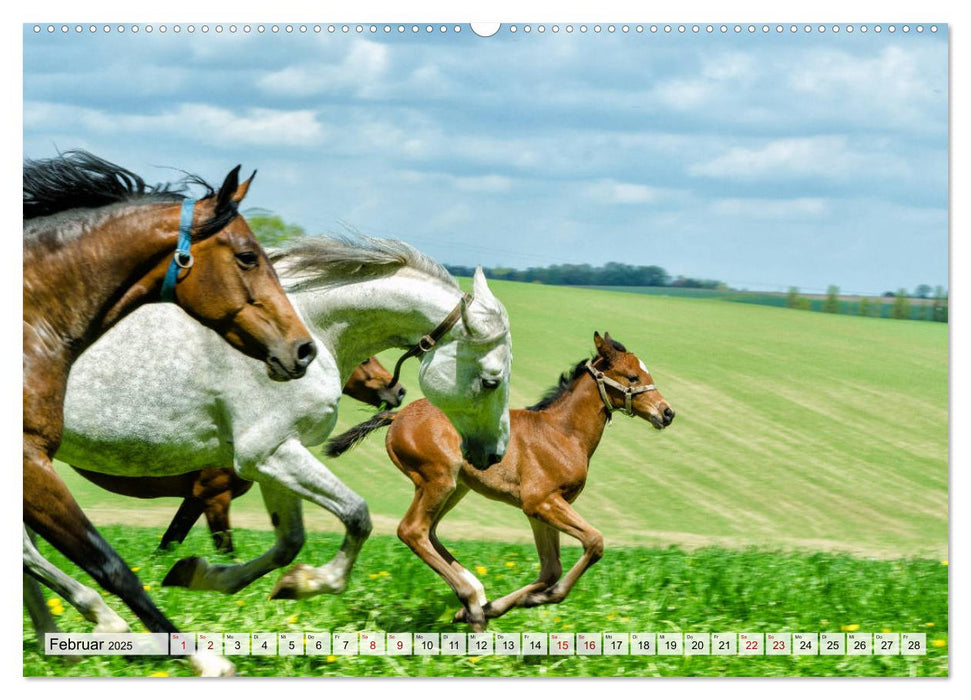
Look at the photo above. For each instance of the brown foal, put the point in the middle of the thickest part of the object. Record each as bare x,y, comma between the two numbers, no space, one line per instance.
209,491
542,473
98,244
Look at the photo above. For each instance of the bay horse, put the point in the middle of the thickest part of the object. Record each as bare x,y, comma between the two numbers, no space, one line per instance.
98,244
209,491
543,472
186,403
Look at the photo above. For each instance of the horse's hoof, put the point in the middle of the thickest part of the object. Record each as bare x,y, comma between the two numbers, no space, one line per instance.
294,584
209,665
182,572
459,616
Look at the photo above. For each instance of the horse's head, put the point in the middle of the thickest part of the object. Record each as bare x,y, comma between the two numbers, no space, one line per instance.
233,289
370,383
631,386
467,376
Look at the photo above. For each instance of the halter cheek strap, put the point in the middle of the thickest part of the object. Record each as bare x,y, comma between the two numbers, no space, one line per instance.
182,258
628,391
427,342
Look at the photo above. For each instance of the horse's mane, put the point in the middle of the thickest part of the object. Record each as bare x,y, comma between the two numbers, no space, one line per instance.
81,180
554,393
321,261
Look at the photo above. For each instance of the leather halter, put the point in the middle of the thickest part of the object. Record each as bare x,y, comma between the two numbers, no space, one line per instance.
603,381
427,342
182,259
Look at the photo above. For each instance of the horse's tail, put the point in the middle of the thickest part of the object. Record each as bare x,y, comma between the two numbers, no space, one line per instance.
337,446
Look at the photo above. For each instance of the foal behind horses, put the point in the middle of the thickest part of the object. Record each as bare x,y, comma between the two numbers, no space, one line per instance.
542,473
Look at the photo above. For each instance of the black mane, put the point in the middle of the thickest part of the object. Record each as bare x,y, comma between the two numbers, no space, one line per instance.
80,180
566,379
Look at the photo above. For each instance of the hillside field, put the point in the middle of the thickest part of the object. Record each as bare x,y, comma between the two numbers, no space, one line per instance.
803,484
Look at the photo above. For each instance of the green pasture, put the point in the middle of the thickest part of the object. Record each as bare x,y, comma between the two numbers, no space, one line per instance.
633,589
810,450
793,430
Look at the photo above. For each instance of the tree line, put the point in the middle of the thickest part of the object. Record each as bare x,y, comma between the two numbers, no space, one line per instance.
272,231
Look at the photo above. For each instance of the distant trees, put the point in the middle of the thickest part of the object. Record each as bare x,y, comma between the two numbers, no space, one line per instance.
832,303
922,291
939,305
271,230
613,274
901,305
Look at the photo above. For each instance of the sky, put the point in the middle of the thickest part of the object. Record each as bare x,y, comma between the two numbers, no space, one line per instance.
765,161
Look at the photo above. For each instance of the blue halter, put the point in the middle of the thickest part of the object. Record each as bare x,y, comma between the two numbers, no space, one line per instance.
182,259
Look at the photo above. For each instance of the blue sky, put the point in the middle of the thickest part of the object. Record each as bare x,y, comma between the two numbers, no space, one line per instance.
764,161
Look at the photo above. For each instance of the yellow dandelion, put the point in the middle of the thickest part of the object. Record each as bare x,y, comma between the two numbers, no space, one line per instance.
930,624
481,570
611,616
293,619
240,602
944,562
557,619
136,569
886,630
474,659
146,587
331,659
510,563
54,602
939,643
383,573
372,575
850,628
57,610
158,674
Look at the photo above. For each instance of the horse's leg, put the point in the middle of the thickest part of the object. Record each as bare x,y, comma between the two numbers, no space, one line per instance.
184,519
304,475
285,512
40,614
548,546
217,517
432,495
91,605
556,512
50,510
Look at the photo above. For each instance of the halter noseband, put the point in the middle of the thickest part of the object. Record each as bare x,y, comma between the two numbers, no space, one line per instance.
628,391
427,342
182,258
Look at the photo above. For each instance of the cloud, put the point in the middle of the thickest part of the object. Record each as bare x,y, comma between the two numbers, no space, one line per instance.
826,157
358,71
614,192
760,208
254,126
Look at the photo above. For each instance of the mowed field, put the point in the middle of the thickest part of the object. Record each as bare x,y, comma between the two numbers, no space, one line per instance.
795,433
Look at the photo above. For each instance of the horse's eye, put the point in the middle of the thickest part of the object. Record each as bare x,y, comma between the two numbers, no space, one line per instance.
247,259
632,378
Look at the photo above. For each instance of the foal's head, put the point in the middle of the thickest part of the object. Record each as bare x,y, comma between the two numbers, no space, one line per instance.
624,368
370,383
234,290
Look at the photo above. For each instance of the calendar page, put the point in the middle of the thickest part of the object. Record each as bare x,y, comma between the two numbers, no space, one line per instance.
624,348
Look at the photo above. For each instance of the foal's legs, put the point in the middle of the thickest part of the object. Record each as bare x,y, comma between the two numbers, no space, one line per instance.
556,512
217,517
434,496
86,600
548,546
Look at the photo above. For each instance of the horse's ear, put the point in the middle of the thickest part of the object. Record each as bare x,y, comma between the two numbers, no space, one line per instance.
243,189
604,347
480,288
228,191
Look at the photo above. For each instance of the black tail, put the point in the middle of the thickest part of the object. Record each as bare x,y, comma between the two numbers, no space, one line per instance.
337,446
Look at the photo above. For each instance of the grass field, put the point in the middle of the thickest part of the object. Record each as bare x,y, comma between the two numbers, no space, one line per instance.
797,433
631,590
